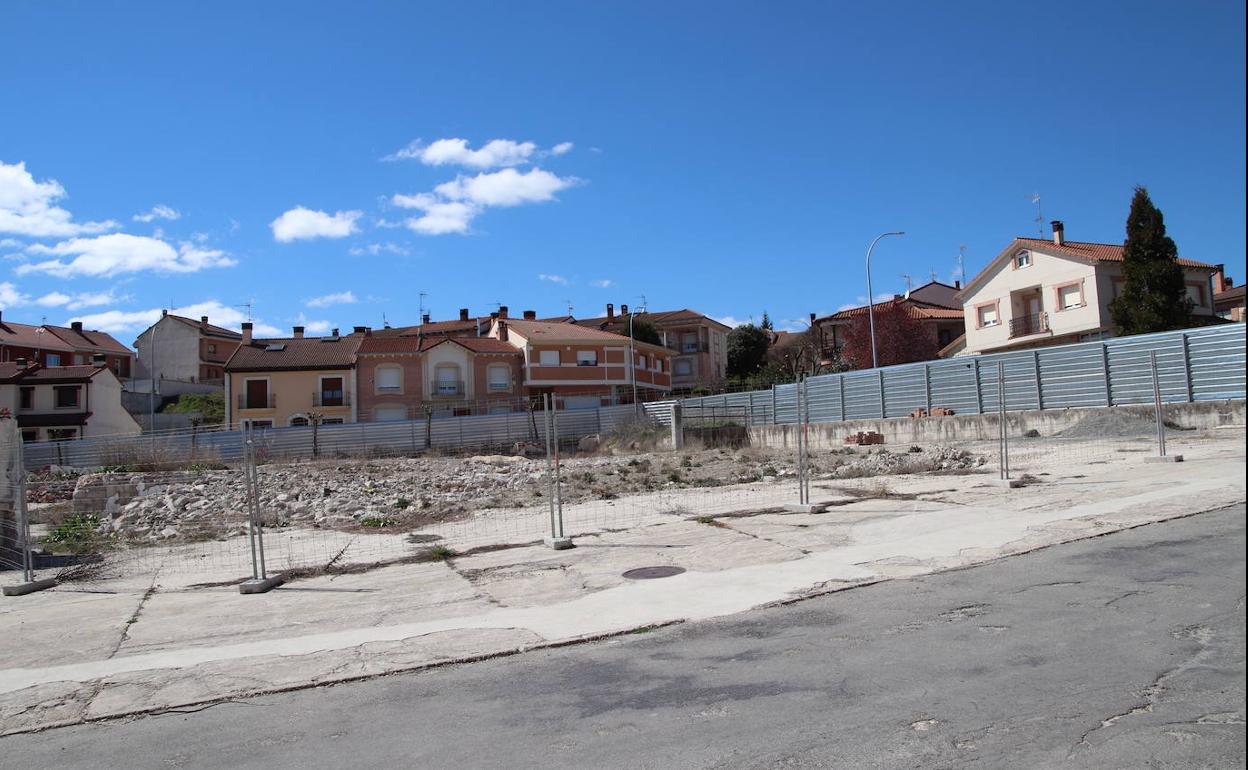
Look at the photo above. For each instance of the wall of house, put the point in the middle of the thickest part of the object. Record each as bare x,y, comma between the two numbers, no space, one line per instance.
448,354
35,355
409,395
168,349
481,376
108,416
1110,281
294,392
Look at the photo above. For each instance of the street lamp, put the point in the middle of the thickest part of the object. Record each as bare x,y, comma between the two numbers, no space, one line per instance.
871,297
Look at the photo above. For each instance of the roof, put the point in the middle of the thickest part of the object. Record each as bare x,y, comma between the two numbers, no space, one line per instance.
658,318
89,339
1085,251
373,345
291,353
27,336
937,293
545,331
439,327
915,309
209,329
1230,295
34,373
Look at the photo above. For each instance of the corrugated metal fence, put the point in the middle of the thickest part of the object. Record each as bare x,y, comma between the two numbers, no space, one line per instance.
1193,365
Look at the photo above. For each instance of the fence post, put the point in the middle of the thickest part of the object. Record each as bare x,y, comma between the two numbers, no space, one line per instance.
1187,369
260,581
927,386
678,428
1035,365
557,539
1005,438
1109,391
1161,423
979,389
774,419
840,389
879,373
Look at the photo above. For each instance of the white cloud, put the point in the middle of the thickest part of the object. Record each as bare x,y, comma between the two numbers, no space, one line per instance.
563,148
159,211
54,299
733,321
11,297
559,279
377,249
302,224
602,283
316,327
452,206
26,207
123,321
122,253
440,217
77,301
455,152
10,243
341,298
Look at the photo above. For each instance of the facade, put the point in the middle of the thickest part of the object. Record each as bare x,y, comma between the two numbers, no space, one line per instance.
62,403
933,304
1038,292
275,383
1228,299
699,344
62,346
185,349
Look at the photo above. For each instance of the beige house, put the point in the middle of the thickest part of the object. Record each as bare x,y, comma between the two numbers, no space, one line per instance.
1039,292
62,403
276,383
699,344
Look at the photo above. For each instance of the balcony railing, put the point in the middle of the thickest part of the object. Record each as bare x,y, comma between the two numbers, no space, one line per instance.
331,398
691,347
1033,323
448,388
268,401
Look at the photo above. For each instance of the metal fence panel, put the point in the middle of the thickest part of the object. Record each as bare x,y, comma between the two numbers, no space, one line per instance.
955,385
862,395
1072,376
905,390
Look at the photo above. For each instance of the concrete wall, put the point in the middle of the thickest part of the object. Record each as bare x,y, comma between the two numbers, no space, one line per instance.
907,430
169,347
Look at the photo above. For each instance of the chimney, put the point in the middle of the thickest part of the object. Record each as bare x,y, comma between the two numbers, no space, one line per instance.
812,319
463,314
502,330
623,309
99,360
21,362
530,315
203,322
502,311
164,313
957,284
334,333
76,326
298,332
424,319
1059,232
610,311
493,316
246,332
358,329
1220,283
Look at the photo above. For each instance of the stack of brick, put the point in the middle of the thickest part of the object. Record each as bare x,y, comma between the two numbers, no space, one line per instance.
866,438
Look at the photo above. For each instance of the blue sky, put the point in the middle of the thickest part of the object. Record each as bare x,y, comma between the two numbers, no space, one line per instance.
728,157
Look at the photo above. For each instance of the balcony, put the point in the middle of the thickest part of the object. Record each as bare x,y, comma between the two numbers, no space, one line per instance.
1033,323
331,398
448,388
690,347
268,401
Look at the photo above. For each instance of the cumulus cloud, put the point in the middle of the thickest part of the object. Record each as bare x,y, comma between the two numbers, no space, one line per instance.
303,224
121,253
452,205
11,297
377,249
28,207
340,298
77,301
733,321
602,283
563,148
456,152
124,321
159,211
559,279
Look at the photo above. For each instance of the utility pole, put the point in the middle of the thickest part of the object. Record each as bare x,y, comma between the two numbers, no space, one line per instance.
871,295
1035,198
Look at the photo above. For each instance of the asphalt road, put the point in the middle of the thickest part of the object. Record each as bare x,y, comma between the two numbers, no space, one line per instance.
1121,651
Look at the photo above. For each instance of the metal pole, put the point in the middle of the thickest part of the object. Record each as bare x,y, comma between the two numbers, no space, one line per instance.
871,296
1005,440
23,520
248,461
804,492
255,492
550,462
554,422
1161,425
151,396
632,359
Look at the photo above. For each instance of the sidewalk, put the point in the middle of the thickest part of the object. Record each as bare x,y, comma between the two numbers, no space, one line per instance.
122,647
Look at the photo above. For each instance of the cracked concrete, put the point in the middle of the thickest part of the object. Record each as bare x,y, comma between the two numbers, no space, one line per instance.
192,646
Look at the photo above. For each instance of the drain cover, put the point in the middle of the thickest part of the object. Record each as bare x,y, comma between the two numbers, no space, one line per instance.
650,573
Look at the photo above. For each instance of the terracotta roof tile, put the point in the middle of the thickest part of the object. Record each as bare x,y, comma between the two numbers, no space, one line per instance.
915,309
215,331
57,373
27,336
90,339
1101,252
290,353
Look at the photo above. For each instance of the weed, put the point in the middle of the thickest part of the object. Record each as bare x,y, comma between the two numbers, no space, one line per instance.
441,552
378,521
705,519
403,503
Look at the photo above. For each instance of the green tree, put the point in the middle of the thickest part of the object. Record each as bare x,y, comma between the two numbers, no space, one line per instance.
643,331
747,350
210,406
766,322
1154,295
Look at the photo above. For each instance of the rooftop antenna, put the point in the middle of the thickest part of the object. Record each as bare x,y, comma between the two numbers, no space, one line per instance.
961,260
385,324
1035,198
423,295
909,281
569,306
247,305
643,302
931,275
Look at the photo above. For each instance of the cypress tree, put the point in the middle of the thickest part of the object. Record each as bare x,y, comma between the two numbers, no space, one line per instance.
1154,295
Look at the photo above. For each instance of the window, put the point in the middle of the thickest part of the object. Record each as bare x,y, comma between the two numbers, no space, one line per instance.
987,315
446,380
587,358
332,393
641,362
1070,296
30,434
53,359
390,413
79,359
62,434
66,396
1022,259
28,398
298,421
256,395
548,358
498,377
944,337
389,379
212,348
689,343
683,368
1196,293
332,421
258,424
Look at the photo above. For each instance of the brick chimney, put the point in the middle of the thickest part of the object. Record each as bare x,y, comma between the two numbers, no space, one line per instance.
246,332
463,314
203,322
610,311
76,326
530,315
502,311
812,319
424,319
297,332
334,333
1059,232
359,329
623,309
502,330
1220,282
957,284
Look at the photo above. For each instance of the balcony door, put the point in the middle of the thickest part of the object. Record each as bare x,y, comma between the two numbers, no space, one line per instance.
332,393
257,394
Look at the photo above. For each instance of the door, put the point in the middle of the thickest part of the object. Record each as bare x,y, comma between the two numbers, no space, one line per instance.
257,394
1033,306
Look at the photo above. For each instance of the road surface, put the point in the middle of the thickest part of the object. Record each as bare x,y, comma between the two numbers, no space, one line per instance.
1120,651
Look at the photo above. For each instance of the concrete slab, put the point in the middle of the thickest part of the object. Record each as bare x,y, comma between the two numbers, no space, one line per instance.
21,589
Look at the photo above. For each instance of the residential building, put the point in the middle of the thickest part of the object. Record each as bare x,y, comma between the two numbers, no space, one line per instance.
585,367
48,345
699,343
1048,292
1228,299
61,403
185,349
282,382
408,376
934,305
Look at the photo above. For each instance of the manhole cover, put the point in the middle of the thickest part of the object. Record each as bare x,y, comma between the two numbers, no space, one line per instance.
650,573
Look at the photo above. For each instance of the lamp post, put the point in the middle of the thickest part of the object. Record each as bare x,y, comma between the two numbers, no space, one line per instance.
871,296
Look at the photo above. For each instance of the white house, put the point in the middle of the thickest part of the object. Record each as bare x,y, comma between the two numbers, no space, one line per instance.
58,403
1039,292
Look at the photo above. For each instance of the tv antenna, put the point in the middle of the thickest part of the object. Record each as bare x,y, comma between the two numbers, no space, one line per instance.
569,302
423,295
1035,198
961,261
247,305
909,280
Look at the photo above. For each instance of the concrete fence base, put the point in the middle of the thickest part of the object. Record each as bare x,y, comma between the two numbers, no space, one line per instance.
985,427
